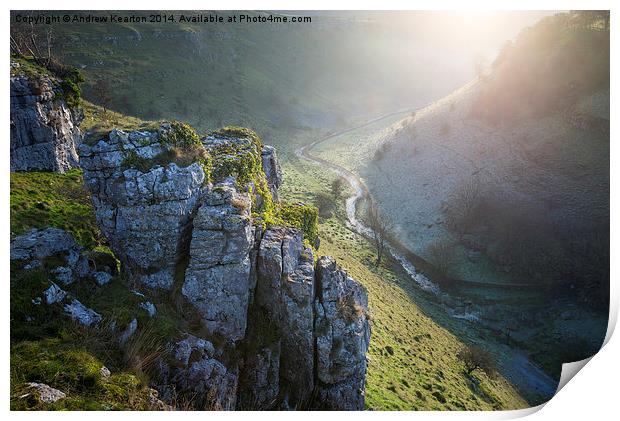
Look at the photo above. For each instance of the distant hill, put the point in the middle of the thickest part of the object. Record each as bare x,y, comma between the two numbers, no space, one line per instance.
513,166
277,78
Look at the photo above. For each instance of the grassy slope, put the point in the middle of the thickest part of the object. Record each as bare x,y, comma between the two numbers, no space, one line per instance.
42,199
412,357
416,176
209,75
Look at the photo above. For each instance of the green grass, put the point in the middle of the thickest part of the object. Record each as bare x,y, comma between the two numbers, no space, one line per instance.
46,347
74,371
44,199
413,364
98,122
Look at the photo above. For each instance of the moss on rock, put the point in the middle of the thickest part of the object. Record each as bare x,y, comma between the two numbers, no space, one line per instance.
302,216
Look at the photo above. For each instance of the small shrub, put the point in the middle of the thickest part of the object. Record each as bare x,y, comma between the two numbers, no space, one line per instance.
325,203
71,90
337,187
350,309
180,135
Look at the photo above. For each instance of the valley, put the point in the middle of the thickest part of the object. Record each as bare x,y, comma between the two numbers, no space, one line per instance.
221,181
531,381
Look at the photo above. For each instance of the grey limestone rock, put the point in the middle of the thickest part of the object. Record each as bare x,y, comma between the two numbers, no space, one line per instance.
82,314
342,337
44,130
47,394
218,275
54,294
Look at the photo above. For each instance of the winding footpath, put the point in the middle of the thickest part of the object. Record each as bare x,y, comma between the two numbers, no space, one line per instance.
360,192
519,369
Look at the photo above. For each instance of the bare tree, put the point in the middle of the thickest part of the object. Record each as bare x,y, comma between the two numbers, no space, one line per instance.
475,358
102,93
381,227
26,41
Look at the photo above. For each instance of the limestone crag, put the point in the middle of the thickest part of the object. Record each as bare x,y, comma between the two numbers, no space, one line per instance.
276,330
342,337
44,130
217,279
144,215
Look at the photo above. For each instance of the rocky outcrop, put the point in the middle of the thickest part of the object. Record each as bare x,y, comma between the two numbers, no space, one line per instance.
67,262
342,337
217,279
44,130
274,330
144,214
272,169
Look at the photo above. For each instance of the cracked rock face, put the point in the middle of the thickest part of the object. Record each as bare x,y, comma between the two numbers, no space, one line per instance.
277,330
284,294
194,369
144,215
218,275
342,337
308,332
44,131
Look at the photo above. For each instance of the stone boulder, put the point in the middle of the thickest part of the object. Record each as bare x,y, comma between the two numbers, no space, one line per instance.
44,130
45,393
40,244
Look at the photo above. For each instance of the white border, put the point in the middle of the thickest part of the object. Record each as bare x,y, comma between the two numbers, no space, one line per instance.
592,394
